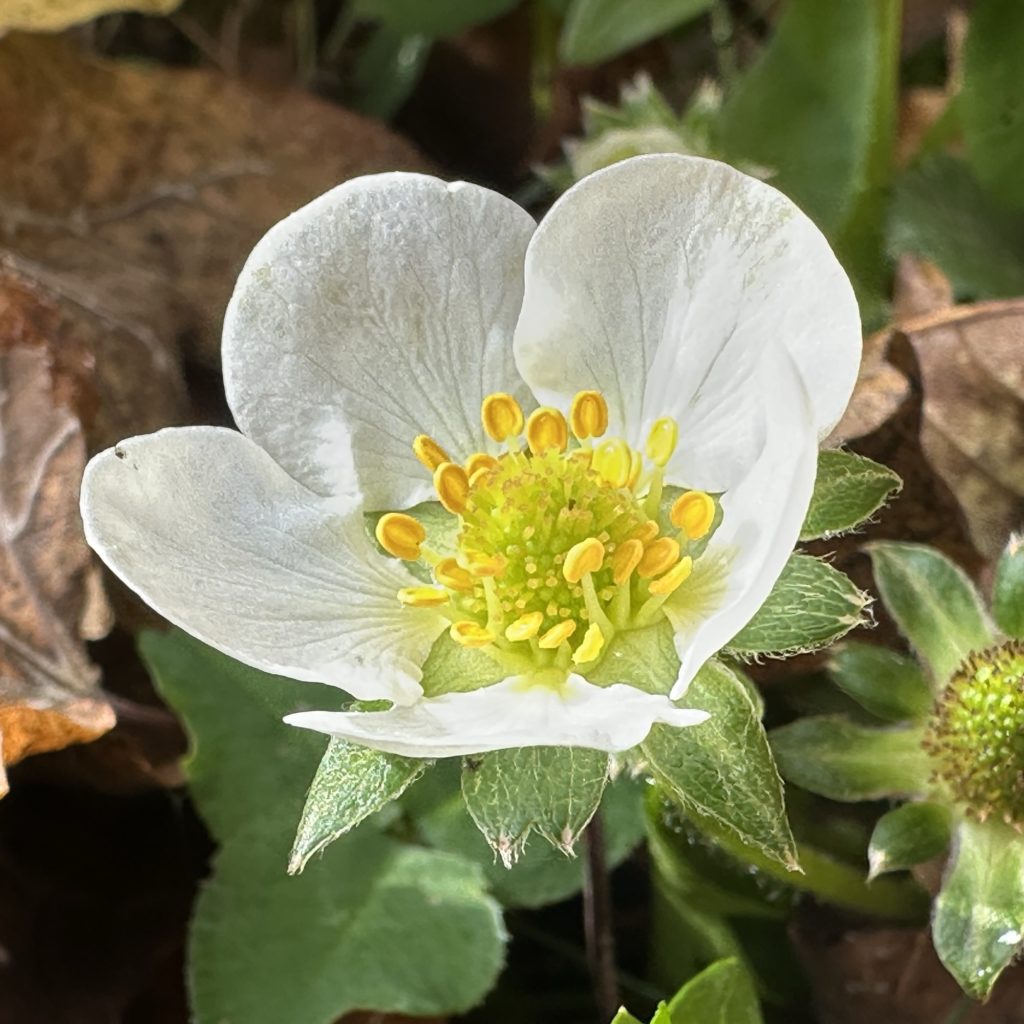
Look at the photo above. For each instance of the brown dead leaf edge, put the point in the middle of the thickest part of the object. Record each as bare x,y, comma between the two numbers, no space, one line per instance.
51,596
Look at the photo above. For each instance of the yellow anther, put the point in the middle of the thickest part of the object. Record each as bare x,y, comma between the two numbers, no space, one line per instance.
470,634
546,429
635,465
626,558
486,565
646,533
501,416
450,574
588,415
452,486
423,597
660,554
693,513
429,452
479,461
662,440
400,535
582,558
525,626
556,635
612,461
678,574
591,645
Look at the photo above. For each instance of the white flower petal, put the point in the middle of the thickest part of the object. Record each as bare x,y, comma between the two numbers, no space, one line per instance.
761,521
659,280
381,310
511,713
212,533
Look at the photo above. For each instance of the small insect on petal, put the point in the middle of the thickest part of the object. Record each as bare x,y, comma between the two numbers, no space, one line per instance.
659,556
546,429
400,535
556,635
501,416
588,415
693,513
429,452
587,556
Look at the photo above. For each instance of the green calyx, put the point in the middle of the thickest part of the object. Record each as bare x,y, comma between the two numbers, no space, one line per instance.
975,735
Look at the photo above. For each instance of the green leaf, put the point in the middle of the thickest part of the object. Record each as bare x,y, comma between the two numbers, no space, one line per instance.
374,924
1008,591
940,212
542,874
889,685
721,994
838,177
991,111
811,605
722,772
436,18
386,71
553,791
979,914
625,1017
596,30
452,668
849,489
933,602
836,758
908,835
351,783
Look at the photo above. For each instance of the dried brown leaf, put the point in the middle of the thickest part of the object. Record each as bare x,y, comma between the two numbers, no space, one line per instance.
51,598
54,15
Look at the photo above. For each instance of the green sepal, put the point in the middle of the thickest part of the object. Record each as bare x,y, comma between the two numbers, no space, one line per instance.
848,490
909,835
553,791
721,994
889,685
722,772
625,1017
811,605
935,605
351,783
837,758
978,920
1008,590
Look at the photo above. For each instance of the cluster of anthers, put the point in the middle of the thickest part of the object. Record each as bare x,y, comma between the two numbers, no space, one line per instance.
561,543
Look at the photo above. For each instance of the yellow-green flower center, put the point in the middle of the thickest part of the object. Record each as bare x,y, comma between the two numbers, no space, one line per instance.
975,736
560,543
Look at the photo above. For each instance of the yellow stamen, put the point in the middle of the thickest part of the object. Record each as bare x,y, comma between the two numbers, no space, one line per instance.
502,416
582,558
470,634
486,565
400,535
423,597
591,645
429,452
588,415
677,575
479,461
557,635
693,513
546,429
635,465
612,461
662,440
626,558
646,533
525,626
452,486
660,554
450,574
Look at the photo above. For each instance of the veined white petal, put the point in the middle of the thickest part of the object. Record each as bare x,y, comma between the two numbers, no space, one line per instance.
512,713
659,281
382,310
761,521
218,538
